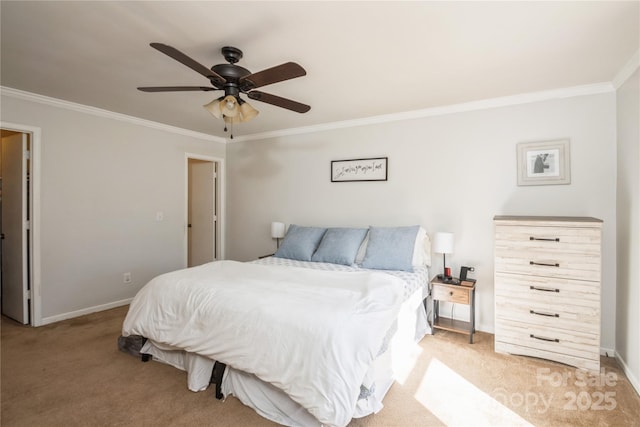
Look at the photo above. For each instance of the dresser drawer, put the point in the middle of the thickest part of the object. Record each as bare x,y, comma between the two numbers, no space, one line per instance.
549,339
591,364
548,264
547,290
556,316
455,294
581,240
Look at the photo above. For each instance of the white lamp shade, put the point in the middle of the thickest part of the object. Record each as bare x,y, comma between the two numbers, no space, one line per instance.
443,243
277,230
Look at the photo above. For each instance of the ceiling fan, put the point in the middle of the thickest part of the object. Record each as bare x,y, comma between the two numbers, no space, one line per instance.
234,80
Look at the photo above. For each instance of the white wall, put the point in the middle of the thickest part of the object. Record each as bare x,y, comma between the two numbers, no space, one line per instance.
449,173
102,182
628,233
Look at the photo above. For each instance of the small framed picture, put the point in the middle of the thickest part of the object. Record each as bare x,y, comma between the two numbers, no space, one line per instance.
544,163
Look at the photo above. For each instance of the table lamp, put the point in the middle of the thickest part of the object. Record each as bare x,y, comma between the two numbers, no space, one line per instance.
443,244
277,232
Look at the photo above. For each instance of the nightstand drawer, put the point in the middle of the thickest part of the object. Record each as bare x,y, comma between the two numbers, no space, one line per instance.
455,294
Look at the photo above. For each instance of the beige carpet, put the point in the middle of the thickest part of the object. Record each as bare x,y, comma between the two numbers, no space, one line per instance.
71,374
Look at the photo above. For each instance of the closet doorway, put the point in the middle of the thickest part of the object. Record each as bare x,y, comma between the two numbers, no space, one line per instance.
16,243
203,210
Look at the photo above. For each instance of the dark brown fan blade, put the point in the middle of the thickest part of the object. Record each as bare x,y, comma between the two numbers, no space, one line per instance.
279,73
175,88
279,101
191,63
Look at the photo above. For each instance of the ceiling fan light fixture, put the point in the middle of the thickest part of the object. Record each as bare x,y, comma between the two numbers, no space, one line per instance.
234,80
229,106
214,108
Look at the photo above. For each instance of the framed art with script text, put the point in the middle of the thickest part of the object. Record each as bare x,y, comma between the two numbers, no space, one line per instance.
374,169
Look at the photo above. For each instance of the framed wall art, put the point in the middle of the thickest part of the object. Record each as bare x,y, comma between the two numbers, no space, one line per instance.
544,163
373,169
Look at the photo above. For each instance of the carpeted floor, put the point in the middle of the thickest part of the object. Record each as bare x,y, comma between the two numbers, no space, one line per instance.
72,374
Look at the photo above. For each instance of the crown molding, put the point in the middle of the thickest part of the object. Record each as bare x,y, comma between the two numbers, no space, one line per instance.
41,99
627,71
504,101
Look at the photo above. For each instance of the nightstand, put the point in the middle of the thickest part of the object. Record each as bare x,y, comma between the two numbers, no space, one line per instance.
458,294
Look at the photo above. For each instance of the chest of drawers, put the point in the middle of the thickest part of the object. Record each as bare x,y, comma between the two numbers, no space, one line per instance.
547,288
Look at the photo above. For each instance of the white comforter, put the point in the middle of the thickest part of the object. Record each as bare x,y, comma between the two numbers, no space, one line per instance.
311,333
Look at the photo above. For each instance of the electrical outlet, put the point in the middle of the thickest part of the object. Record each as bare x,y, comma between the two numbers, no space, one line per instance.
126,278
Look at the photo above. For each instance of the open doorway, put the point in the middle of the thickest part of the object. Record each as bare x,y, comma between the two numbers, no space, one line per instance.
15,225
203,236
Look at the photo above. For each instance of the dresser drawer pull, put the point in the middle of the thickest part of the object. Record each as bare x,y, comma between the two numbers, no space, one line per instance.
557,239
544,339
544,264
544,314
536,288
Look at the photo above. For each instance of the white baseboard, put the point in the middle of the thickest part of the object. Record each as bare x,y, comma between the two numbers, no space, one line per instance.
89,310
632,379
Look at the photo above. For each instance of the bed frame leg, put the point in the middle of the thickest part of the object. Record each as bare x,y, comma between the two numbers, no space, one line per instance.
216,377
145,357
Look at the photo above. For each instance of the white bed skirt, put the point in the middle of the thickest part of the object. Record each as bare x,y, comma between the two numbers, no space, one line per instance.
273,404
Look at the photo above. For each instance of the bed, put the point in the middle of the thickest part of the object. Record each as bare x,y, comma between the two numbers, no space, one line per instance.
309,336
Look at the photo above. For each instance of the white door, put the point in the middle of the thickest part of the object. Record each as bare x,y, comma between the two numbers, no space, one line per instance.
15,302
201,212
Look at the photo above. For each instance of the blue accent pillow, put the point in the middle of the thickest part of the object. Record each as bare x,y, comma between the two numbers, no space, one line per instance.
300,242
391,248
340,245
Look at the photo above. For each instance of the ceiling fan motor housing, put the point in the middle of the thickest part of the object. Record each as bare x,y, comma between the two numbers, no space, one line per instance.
231,73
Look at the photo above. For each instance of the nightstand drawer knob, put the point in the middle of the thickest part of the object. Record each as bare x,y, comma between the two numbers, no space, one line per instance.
450,293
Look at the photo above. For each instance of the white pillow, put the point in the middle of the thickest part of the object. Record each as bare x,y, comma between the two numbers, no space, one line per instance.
422,249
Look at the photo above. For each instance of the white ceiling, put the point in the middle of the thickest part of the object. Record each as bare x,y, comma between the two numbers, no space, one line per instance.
363,59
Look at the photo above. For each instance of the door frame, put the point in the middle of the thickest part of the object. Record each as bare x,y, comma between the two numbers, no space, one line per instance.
220,203
35,134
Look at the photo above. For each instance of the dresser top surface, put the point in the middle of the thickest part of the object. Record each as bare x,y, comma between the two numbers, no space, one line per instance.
546,219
